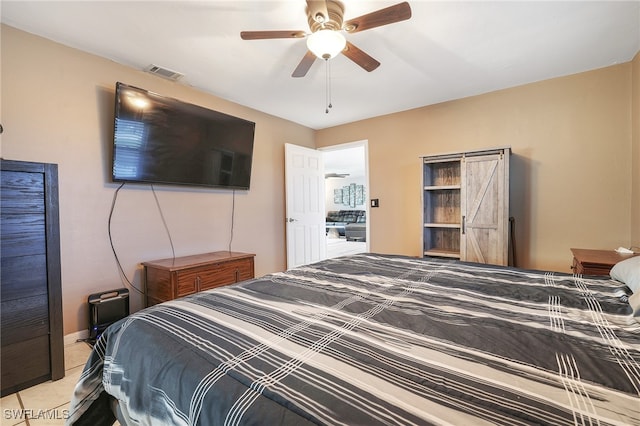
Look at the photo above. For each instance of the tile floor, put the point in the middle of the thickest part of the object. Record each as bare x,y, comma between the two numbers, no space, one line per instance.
341,247
48,402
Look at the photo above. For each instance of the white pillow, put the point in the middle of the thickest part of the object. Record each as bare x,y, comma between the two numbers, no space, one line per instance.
628,272
634,302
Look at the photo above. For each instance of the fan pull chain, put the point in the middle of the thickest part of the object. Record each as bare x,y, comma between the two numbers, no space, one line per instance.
328,86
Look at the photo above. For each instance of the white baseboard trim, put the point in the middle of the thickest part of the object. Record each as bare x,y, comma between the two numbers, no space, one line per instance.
70,339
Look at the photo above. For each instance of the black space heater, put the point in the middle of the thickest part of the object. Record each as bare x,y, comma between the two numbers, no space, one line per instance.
106,308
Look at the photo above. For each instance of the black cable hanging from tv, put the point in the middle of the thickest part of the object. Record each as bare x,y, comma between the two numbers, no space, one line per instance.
164,222
233,213
113,249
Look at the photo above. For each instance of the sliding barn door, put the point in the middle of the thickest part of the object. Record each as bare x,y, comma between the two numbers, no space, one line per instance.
485,209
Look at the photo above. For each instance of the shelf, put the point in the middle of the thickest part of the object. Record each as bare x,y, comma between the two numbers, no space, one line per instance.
442,240
442,253
455,185
442,174
441,203
442,206
441,187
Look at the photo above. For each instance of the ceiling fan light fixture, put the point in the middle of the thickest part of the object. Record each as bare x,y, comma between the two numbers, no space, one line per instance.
326,44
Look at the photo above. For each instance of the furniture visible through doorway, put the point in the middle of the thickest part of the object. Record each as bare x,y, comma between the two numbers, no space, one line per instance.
350,224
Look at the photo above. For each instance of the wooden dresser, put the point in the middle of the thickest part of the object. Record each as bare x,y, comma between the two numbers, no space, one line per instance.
596,262
168,279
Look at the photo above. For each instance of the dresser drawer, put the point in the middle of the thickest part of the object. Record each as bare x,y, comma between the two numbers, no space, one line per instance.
246,269
227,273
191,281
187,281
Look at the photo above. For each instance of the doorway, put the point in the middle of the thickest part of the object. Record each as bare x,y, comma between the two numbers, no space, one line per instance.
346,194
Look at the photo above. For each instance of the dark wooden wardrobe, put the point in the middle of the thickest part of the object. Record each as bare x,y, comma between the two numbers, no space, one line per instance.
32,343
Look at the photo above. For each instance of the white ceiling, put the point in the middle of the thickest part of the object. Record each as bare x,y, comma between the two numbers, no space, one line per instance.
447,50
350,160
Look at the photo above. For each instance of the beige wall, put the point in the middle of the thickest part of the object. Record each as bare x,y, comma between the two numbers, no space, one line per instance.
570,168
635,165
57,107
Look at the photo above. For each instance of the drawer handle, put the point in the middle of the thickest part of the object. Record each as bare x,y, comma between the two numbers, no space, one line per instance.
197,282
237,275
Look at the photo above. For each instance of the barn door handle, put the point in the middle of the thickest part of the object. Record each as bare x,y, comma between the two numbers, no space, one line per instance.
464,218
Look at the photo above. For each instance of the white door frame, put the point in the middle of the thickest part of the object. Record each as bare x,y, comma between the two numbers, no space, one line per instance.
365,144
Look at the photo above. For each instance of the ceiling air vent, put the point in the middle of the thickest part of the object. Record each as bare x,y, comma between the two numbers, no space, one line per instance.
164,72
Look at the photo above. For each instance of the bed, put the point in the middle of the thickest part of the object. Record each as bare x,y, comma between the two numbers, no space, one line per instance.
374,339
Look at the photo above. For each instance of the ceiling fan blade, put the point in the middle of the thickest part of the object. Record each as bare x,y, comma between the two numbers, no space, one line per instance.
317,10
304,65
388,15
360,58
261,35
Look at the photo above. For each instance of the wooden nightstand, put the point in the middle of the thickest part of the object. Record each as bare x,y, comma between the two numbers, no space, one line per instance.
596,262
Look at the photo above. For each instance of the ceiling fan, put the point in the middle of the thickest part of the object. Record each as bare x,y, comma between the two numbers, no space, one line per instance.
335,175
326,40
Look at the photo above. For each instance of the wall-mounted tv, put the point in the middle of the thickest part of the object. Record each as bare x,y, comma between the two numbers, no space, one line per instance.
162,140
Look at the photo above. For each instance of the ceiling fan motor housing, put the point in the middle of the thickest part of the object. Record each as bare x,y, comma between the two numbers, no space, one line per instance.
334,21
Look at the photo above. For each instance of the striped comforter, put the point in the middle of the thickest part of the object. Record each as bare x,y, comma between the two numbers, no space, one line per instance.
374,339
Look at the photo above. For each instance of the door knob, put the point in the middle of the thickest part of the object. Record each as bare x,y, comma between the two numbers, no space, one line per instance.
290,219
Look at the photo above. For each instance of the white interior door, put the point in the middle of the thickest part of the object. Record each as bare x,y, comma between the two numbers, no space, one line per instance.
305,221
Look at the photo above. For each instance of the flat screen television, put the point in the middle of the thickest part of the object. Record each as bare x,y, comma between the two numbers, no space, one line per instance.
162,140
